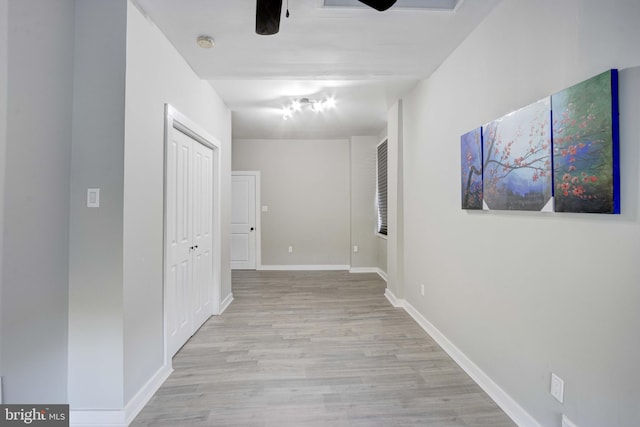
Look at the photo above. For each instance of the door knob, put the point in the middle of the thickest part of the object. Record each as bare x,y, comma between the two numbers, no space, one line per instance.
251,229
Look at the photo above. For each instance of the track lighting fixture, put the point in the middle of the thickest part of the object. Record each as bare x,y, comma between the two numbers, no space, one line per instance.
315,105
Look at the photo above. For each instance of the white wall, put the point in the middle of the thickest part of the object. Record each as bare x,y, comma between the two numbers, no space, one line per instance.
125,72
305,184
526,294
157,74
4,70
381,262
36,196
96,237
395,204
363,195
83,106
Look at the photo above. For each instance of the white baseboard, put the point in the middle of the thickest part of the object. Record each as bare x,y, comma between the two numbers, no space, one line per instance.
97,418
121,418
392,298
145,394
381,273
357,270
302,267
226,303
521,417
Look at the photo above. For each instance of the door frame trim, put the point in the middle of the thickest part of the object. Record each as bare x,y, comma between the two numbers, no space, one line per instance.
256,174
174,120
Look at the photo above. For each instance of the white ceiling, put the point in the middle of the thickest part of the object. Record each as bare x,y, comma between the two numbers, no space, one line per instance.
366,59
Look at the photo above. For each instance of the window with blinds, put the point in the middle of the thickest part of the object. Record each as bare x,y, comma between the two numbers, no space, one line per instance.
381,187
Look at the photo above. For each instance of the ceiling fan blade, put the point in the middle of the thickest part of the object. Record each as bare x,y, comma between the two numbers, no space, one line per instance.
380,5
268,16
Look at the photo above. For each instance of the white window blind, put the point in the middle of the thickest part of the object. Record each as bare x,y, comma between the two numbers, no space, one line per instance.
381,187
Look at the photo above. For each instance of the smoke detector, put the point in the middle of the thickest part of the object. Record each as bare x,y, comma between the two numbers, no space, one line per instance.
205,42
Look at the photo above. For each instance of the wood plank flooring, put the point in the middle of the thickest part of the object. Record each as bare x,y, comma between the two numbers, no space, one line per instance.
316,349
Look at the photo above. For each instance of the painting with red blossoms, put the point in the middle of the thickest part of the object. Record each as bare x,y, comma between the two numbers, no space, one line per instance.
517,160
471,162
585,146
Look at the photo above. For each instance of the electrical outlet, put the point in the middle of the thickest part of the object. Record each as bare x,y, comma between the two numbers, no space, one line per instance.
566,422
93,197
422,289
290,249
557,387
355,248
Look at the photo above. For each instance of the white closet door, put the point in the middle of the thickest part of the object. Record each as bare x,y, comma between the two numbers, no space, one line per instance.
179,193
243,222
202,298
192,224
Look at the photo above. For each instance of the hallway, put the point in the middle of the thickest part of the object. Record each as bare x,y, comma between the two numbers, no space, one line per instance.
316,349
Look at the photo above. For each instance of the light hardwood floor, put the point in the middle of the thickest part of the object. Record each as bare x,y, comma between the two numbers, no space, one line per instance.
316,349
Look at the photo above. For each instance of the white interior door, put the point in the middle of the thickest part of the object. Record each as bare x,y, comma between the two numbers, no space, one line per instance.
189,278
192,278
243,221
179,240
202,296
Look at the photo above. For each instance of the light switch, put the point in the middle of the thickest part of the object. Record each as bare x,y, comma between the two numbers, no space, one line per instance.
265,209
557,388
93,197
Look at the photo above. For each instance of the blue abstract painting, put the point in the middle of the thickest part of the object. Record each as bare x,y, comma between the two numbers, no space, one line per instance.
471,167
517,172
585,146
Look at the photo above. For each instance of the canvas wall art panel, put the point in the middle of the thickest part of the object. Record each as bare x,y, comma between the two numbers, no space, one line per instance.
585,146
471,167
517,172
